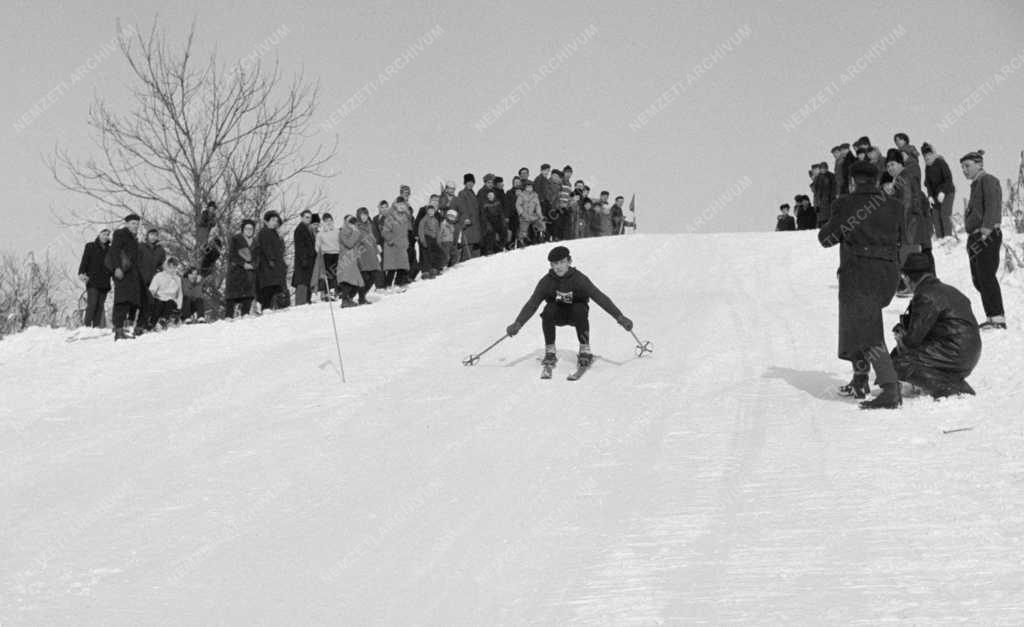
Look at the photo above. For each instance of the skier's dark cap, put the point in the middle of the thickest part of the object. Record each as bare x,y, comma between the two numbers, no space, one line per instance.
132,217
558,253
916,265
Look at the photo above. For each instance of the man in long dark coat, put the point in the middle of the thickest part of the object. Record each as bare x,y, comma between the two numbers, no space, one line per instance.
123,261
867,225
304,245
240,284
271,269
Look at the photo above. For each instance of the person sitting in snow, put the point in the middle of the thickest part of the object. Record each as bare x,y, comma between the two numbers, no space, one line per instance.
165,290
567,292
938,343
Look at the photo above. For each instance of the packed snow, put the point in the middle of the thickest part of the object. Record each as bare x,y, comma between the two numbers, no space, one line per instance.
224,474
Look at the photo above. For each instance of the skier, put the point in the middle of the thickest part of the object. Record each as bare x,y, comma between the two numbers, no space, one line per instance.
567,292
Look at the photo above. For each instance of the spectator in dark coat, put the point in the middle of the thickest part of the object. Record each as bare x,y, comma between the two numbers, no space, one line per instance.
151,260
784,221
937,340
492,213
304,257
824,189
94,273
123,261
469,218
271,270
240,287
540,185
806,216
618,216
205,224
938,180
844,159
868,227
982,221
917,228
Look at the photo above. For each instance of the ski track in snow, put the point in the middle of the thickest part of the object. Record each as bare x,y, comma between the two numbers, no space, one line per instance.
223,474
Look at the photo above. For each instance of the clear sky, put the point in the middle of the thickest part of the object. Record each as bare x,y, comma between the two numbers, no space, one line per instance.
736,124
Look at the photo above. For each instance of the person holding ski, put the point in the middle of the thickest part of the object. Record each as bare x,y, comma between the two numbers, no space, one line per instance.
567,293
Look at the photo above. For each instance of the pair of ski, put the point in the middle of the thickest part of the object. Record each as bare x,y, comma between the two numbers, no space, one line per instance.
548,369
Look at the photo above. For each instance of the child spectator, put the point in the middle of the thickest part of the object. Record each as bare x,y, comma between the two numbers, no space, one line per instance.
428,233
446,238
165,290
193,307
529,209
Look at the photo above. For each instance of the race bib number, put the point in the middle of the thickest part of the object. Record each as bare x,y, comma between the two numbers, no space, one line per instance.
563,297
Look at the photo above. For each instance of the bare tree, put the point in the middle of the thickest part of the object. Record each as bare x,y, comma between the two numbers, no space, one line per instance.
32,293
198,131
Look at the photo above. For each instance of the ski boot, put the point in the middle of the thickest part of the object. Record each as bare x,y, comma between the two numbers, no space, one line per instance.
584,360
890,398
858,387
550,359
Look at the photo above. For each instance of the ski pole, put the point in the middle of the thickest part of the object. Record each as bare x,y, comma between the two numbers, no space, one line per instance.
337,344
642,348
472,359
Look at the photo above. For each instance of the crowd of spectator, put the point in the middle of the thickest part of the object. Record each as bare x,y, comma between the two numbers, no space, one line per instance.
342,258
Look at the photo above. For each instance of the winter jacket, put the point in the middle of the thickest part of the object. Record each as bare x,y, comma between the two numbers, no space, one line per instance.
166,286
492,211
601,222
207,220
190,290
573,288
271,269
151,261
369,255
303,255
469,210
528,206
241,281
428,229
394,230
985,206
938,178
93,265
939,329
349,248
123,254
328,242
446,232
868,227
917,227
785,222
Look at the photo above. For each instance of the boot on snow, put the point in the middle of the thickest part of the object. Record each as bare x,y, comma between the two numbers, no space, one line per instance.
890,398
858,387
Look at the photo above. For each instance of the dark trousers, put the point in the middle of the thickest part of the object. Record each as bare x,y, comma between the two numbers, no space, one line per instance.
396,277
123,312
984,256
331,269
94,304
414,266
190,306
268,296
241,304
162,311
561,315
881,360
370,278
942,216
145,306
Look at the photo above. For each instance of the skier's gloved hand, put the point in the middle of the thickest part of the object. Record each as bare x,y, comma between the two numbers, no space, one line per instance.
513,328
625,322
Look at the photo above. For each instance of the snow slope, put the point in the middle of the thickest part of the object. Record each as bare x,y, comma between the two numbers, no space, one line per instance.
224,475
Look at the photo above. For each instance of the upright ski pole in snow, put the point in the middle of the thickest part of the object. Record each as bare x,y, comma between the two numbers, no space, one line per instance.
642,348
330,305
472,359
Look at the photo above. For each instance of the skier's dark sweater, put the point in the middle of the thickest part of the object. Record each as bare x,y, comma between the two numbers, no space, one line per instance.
572,288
